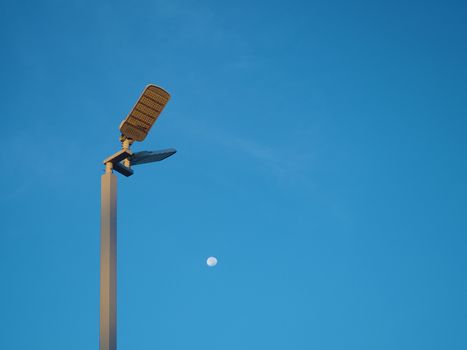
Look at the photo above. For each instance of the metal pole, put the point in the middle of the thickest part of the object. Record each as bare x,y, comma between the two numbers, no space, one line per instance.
108,282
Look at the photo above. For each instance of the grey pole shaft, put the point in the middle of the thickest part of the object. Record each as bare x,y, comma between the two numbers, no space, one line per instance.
108,282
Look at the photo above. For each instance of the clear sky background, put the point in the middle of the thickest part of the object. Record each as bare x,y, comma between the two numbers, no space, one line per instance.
321,157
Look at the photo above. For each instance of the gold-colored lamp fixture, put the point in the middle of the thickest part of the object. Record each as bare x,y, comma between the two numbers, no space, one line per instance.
145,113
136,127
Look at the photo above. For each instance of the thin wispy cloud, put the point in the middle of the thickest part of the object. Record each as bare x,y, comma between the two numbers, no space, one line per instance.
287,164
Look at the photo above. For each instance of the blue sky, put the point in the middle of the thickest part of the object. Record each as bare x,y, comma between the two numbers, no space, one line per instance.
321,159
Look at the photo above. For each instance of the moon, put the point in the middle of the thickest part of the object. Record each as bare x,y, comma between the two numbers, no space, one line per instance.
211,261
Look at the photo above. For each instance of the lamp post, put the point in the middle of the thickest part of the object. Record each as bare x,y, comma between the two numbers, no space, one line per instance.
134,128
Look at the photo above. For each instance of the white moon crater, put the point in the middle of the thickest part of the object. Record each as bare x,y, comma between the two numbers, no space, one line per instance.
212,261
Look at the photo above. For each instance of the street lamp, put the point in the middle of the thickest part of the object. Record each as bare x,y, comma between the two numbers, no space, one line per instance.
134,128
